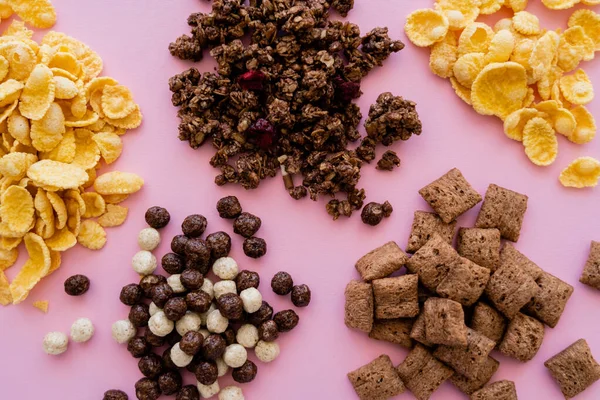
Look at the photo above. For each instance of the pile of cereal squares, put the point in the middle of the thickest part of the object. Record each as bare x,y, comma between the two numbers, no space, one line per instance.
527,76
453,307
58,121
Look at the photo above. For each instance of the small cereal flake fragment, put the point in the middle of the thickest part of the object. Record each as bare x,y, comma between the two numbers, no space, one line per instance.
41,305
543,55
541,144
582,172
91,235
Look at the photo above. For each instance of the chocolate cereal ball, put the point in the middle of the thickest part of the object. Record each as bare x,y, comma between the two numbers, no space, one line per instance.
188,392
77,285
246,224
197,251
147,389
207,372
247,279
178,244
172,263
268,331
286,320
114,394
167,360
191,279
151,365
198,301
219,243
201,266
139,315
373,213
213,347
170,382
148,282
255,247
246,373
161,293
194,225
157,217
230,336
264,313
231,306
301,295
131,294
282,283
229,207
175,308
138,347
154,340
191,342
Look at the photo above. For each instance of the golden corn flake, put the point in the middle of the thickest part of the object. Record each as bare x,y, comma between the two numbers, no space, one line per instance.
590,22
95,205
115,198
573,47
443,56
16,209
559,4
43,229
501,47
18,128
55,174
98,84
55,261
502,24
490,6
38,93
67,62
87,153
85,120
543,54
556,94
65,88
77,201
38,13
515,122
8,258
62,240
462,92
117,101
499,89
74,219
586,2
585,129
90,60
65,151
110,145
460,13
34,269
582,172
116,182
545,84
526,23
423,28
41,305
114,216
516,5
21,59
131,121
577,88
43,207
91,235
7,111
3,67
15,165
6,10
539,139
47,132
5,295
10,90
92,174
60,209
476,38
467,68
8,243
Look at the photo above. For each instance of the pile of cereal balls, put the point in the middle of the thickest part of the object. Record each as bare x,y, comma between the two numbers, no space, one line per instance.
204,326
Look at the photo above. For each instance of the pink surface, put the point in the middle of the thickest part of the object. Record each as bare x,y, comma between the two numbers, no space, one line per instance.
132,37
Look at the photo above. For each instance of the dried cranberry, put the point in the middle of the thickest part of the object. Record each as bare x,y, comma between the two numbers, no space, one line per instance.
252,80
262,132
346,91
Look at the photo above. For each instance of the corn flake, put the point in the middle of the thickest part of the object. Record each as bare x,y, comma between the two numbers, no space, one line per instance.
582,172
462,92
543,54
590,22
5,295
47,132
16,209
41,305
499,89
90,60
114,216
115,198
15,165
488,7
476,38
95,205
516,5
92,235
21,59
55,261
117,101
67,62
60,209
55,174
526,23
65,151
34,269
116,182
43,229
76,201
8,258
443,56
577,88
18,127
559,4
573,47
468,67
10,90
423,27
110,145
62,240
38,93
501,47
65,88
92,174
515,122
87,153
38,13
8,243
541,144
586,2
460,13
585,129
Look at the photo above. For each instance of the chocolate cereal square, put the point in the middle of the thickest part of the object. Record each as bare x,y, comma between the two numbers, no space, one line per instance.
574,368
444,322
501,390
503,209
466,360
488,321
396,297
591,272
394,331
511,256
433,262
359,306
465,282
523,338
422,373
510,289
424,225
450,196
381,262
418,332
468,386
482,246
377,380
549,303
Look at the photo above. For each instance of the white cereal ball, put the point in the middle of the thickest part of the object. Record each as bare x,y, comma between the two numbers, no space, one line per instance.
204,316
159,324
144,262
148,239
204,332
231,393
189,322
216,323
252,299
180,358
208,391
82,330
123,331
55,343
225,268
266,351
207,287
247,336
175,282
222,287
222,368
235,355
153,309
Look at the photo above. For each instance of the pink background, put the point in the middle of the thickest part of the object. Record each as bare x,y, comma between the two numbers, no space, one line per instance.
132,37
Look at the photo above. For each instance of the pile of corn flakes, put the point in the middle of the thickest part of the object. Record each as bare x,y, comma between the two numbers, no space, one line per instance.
525,75
58,121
